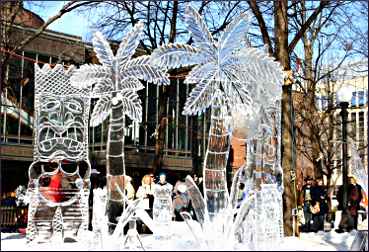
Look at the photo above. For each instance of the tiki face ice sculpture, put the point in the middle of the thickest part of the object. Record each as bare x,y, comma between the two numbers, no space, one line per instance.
59,175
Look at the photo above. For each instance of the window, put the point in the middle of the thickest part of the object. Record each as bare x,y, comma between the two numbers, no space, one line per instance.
322,102
361,129
359,98
363,97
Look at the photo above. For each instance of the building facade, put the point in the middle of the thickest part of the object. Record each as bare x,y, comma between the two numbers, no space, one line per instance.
355,76
17,105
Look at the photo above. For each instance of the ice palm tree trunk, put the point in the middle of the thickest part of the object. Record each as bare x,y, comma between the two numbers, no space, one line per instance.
214,172
115,168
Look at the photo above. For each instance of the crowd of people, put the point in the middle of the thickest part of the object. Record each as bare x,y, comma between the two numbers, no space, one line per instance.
146,192
314,202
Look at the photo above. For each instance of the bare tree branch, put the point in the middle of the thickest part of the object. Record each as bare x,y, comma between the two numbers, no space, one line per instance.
74,4
306,25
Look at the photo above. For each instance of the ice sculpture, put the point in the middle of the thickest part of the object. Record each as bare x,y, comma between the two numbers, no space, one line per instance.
162,211
116,83
59,175
218,85
357,168
360,242
231,77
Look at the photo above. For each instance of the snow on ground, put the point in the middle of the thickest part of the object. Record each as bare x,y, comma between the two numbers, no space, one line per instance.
321,241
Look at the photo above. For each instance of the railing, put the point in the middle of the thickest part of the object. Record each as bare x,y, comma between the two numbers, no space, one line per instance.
9,215
98,147
16,140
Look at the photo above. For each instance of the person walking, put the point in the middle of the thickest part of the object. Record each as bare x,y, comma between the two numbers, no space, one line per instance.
355,196
319,205
307,203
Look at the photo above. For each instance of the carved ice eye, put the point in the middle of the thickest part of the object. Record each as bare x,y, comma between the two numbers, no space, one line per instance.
50,105
73,106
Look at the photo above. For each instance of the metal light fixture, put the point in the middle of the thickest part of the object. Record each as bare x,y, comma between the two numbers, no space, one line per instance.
344,95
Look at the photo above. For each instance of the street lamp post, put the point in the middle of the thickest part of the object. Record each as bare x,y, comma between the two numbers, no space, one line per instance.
344,97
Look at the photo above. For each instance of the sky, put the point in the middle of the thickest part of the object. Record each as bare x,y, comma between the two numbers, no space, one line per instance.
80,24
74,22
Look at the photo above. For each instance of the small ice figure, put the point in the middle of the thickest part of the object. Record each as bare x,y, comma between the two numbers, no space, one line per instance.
162,211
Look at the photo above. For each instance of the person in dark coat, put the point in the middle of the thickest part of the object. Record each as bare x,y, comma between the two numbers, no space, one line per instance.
349,221
307,202
354,197
319,201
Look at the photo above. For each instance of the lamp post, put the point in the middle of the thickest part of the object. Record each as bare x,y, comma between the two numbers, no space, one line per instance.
344,97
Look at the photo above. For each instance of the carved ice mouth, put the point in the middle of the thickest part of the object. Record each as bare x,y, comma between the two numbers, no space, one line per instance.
69,140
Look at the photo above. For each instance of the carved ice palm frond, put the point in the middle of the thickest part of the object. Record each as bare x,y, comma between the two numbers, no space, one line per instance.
131,105
197,199
175,56
200,72
102,49
131,83
101,111
263,67
142,69
200,98
87,75
129,44
197,27
232,37
103,86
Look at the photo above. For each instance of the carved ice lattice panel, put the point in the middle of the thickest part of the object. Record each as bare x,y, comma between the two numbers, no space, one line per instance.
358,169
269,217
59,176
61,116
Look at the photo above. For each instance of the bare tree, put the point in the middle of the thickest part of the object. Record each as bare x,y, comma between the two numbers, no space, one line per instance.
291,22
163,23
330,34
11,16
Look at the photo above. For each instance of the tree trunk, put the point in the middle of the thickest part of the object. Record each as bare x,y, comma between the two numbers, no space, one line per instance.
115,168
161,129
216,156
281,53
173,22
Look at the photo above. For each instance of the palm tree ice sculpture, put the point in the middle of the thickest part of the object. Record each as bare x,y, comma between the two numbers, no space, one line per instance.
116,83
227,79
218,85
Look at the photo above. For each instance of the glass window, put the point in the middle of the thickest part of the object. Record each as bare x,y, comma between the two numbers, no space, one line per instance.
359,98
324,102
353,99
317,102
361,129
362,97
353,123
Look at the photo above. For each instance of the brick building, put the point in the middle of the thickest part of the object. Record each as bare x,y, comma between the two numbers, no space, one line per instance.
18,103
